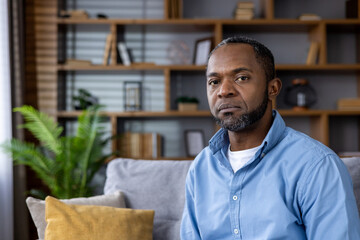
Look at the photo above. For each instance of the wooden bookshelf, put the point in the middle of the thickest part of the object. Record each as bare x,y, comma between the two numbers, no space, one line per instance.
316,31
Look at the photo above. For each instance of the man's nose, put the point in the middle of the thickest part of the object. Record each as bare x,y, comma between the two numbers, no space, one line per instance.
226,89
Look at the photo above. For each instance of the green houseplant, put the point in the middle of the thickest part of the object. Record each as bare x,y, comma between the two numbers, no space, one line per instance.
84,100
65,164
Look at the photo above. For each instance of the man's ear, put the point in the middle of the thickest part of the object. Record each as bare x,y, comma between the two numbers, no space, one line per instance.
274,87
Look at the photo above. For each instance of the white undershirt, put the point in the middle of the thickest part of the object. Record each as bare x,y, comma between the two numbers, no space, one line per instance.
239,158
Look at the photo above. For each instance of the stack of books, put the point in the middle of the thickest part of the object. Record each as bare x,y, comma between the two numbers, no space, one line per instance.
309,17
140,145
244,11
351,104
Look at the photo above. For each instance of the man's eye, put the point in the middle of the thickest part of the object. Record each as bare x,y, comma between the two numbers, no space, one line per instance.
213,82
242,78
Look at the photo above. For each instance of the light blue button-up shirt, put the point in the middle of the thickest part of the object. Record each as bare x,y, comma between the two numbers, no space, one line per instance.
293,188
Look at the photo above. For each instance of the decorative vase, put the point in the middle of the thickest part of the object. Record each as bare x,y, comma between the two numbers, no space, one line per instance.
300,95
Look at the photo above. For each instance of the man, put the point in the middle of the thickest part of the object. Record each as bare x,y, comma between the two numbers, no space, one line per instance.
259,179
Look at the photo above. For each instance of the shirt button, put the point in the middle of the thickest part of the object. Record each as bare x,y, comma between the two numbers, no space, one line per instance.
236,231
262,155
234,197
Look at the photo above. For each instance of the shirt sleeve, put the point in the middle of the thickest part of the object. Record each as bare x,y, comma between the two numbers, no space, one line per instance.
328,203
189,228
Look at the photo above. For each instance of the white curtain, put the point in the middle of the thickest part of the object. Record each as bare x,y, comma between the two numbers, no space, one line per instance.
6,168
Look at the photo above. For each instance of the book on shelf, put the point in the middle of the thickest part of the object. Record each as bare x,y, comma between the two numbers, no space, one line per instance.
244,11
309,17
175,8
313,53
140,145
246,5
124,53
107,50
77,62
351,104
244,16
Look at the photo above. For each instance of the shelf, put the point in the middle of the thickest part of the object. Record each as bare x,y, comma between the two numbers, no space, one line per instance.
99,67
206,21
138,21
314,113
205,113
140,66
320,67
136,66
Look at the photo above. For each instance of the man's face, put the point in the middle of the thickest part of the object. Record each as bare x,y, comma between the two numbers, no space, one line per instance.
236,87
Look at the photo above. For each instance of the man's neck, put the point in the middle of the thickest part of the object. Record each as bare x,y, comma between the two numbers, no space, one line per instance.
253,135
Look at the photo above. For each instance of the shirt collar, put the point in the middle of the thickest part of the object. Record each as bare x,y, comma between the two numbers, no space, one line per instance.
221,137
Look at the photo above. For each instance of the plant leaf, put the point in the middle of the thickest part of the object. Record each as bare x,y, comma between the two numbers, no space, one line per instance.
43,127
28,154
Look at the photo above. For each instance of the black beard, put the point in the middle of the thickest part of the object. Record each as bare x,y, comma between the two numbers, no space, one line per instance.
245,120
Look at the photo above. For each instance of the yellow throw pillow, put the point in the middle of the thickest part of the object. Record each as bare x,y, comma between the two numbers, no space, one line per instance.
88,222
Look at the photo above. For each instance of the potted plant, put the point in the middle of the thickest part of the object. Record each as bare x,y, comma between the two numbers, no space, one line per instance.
84,100
65,164
187,103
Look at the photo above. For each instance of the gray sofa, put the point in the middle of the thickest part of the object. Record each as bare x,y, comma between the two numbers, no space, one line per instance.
159,185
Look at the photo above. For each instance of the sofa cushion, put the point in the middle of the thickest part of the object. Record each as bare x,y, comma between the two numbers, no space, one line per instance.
157,185
84,222
37,207
353,165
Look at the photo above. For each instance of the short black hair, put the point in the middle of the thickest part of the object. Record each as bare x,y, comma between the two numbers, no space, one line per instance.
262,53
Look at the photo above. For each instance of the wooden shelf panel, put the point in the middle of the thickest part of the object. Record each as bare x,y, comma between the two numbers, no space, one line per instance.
314,113
344,113
342,21
318,67
144,66
186,67
99,67
136,66
307,113
205,113
139,21
205,21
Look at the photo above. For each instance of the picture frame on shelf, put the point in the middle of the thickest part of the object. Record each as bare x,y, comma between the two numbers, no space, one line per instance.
132,96
194,142
202,50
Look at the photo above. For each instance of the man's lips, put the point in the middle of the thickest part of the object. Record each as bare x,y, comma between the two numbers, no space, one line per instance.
227,108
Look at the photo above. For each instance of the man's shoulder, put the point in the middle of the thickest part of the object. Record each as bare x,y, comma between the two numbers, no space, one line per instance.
299,152
303,143
203,157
